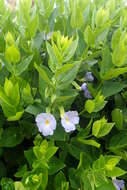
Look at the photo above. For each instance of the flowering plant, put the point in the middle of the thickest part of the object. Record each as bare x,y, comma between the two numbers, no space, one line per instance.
63,95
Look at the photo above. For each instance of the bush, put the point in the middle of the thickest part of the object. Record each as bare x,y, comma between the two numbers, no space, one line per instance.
63,95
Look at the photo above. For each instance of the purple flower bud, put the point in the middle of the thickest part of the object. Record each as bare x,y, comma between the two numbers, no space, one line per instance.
84,86
86,91
87,94
119,184
89,77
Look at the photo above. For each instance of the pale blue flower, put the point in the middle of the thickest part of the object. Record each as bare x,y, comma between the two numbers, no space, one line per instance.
69,120
46,123
86,91
89,77
119,184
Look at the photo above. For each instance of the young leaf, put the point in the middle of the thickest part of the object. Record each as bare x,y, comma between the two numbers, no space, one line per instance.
101,128
89,142
53,62
116,172
69,52
89,106
12,54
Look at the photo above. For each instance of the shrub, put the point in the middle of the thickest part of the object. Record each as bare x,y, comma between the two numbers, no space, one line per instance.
63,95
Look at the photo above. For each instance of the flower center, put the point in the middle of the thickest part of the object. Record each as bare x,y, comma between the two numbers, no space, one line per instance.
67,120
47,121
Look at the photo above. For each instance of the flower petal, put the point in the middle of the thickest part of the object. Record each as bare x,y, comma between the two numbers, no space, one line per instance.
44,127
68,126
73,117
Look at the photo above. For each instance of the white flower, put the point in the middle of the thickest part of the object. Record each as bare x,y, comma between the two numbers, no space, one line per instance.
46,123
69,120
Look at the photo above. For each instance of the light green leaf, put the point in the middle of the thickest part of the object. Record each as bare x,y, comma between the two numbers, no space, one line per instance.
50,152
70,51
89,106
101,128
16,117
116,172
9,39
77,19
12,54
12,91
64,69
106,186
53,62
89,142
19,186
116,38
111,161
34,26
119,55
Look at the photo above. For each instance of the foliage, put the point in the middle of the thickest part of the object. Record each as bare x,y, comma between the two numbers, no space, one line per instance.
47,47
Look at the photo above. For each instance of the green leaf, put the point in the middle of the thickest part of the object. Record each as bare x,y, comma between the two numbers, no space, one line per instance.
89,142
9,39
55,165
106,185
116,172
53,63
43,74
12,54
67,77
21,171
118,141
12,91
89,106
20,68
95,105
34,26
101,128
99,102
16,117
119,55
50,152
117,117
106,63
65,68
111,162
77,19
116,38
111,87
60,182
102,16
7,184
89,36
19,186
4,99
70,51
11,137
114,72
7,65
